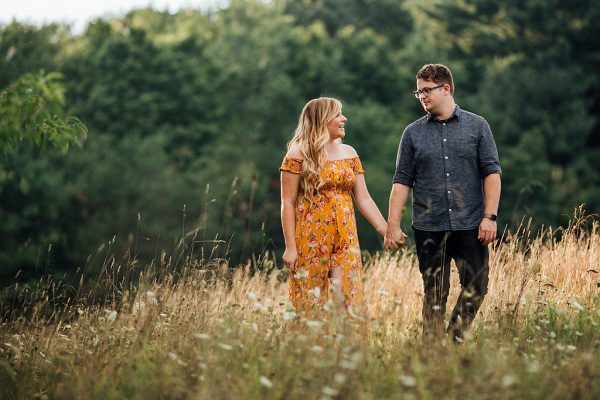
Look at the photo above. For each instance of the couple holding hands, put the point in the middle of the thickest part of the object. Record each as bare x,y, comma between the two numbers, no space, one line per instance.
449,160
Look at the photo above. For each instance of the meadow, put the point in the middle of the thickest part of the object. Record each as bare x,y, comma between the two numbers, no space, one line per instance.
189,326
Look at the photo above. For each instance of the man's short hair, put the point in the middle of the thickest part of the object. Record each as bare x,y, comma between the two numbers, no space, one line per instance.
437,73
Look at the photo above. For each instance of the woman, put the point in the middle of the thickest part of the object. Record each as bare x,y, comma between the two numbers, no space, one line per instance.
319,175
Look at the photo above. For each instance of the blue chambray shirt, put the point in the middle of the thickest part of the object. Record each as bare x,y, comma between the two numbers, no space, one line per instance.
444,163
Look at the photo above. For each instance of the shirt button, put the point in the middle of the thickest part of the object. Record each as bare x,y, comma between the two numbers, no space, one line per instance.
448,192
447,174
449,209
444,140
444,124
446,157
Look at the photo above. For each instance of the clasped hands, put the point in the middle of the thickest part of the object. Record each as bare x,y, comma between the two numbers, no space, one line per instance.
394,238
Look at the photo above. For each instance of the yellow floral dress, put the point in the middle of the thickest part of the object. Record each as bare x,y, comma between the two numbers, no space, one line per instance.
325,237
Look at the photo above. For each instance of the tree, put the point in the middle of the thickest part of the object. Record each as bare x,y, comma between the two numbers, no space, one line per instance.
30,110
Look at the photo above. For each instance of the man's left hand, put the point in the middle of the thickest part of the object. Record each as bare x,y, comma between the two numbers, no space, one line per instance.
487,231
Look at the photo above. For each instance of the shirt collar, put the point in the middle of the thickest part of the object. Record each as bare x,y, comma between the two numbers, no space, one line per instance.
457,113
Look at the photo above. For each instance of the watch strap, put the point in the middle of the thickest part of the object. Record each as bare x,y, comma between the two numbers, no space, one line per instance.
490,216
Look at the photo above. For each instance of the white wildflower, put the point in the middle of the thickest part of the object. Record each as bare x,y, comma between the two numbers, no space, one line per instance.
339,378
225,346
202,336
407,381
255,327
252,296
260,307
533,367
289,315
577,306
150,294
383,293
509,380
302,275
329,391
112,316
355,250
265,382
316,348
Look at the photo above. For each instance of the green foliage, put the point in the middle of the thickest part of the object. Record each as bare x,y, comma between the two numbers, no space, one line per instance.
30,110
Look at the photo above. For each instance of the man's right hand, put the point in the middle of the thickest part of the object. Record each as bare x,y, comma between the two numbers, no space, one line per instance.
394,238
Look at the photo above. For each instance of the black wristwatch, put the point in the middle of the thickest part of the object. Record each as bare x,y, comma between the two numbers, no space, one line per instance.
490,216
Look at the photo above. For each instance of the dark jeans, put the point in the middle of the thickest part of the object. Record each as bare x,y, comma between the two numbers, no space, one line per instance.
435,251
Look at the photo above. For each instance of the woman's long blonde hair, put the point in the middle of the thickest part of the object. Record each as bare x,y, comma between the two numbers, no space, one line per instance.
311,136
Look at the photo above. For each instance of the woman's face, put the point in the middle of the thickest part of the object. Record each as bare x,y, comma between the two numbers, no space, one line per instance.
336,126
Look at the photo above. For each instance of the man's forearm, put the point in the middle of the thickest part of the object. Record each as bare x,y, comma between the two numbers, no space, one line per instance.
398,199
491,189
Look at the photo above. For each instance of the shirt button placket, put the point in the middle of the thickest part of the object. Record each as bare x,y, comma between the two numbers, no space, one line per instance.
447,168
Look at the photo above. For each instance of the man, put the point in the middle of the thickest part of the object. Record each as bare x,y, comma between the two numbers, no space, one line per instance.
449,159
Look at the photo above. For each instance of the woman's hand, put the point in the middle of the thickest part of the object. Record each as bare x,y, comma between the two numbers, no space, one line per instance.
290,258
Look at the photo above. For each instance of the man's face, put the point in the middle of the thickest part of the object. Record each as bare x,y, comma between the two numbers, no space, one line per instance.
433,100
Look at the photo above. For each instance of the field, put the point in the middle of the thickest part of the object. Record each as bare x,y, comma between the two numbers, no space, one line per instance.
184,327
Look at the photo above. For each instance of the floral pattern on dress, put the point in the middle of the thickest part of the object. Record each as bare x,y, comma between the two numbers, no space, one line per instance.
325,237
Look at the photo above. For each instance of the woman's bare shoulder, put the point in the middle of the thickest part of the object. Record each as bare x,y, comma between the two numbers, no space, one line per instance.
295,152
349,151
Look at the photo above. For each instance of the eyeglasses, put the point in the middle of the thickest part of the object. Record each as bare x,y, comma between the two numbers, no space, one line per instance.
425,91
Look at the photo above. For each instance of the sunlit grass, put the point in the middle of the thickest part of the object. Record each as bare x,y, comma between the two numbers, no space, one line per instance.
200,329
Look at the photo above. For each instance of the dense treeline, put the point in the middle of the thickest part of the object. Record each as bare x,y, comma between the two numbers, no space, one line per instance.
189,116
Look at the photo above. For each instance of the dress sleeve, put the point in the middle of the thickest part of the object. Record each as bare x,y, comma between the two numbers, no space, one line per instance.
357,166
293,165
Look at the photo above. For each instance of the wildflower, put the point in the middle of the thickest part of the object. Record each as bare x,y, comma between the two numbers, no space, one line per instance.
407,381
252,296
172,356
571,347
383,293
265,382
150,294
255,327
316,348
111,317
225,346
302,274
259,307
577,306
329,391
509,380
289,315
316,292
314,324
533,367
339,378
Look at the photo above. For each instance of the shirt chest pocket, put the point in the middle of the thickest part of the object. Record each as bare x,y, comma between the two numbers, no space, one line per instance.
467,148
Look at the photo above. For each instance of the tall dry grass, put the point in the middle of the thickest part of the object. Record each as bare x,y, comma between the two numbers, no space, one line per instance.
189,328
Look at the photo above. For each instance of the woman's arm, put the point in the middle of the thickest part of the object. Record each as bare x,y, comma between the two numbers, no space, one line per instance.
367,206
290,184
